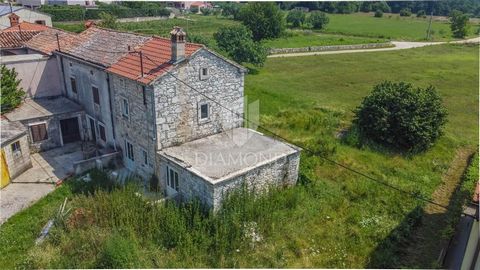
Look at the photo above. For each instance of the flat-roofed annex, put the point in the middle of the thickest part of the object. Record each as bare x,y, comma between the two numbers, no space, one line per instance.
224,155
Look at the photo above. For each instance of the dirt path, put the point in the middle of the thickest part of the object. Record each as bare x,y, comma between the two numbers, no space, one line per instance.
399,45
427,243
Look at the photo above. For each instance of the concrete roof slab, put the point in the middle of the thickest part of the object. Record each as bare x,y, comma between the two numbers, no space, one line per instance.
227,153
11,131
42,107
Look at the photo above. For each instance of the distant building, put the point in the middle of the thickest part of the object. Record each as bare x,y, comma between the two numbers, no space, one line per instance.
38,3
12,16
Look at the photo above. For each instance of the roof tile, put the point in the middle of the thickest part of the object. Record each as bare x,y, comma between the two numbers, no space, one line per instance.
157,54
16,39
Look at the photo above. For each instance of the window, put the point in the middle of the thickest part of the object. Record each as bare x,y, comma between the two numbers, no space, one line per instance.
42,22
125,108
39,132
172,179
16,150
144,92
145,157
101,131
73,83
204,111
129,151
203,73
96,96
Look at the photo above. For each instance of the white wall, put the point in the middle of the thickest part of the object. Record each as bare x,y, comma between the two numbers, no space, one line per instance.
40,74
25,15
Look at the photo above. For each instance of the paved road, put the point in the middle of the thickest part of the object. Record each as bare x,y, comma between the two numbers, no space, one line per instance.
16,197
399,45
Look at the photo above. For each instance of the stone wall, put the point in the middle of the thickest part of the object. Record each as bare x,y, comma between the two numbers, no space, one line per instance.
103,161
20,162
87,76
331,48
53,130
280,172
139,127
177,105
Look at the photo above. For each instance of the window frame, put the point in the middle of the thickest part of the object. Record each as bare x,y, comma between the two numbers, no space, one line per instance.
102,125
173,184
145,159
125,113
30,129
200,118
127,151
98,95
202,75
73,82
16,151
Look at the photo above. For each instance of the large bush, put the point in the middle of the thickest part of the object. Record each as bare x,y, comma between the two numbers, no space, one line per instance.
318,19
12,94
296,17
238,43
401,116
264,19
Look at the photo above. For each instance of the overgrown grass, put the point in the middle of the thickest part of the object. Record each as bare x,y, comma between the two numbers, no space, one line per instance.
332,219
390,27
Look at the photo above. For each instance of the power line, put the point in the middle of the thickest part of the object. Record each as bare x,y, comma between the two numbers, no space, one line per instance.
315,153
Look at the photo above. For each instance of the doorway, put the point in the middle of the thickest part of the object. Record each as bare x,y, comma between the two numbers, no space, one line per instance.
92,134
70,130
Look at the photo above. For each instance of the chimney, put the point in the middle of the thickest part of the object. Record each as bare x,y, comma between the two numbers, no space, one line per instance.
178,44
14,19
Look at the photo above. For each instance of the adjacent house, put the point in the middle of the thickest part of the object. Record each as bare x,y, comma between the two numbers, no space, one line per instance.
15,152
12,15
173,109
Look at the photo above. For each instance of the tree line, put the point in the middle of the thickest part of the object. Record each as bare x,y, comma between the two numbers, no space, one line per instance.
439,8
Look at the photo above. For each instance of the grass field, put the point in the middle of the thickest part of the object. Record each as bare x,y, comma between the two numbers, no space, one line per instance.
394,27
332,219
295,39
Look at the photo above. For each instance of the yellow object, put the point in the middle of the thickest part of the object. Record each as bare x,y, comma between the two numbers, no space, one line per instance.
4,174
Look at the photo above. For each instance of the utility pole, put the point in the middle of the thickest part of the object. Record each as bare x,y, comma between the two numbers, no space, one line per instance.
430,25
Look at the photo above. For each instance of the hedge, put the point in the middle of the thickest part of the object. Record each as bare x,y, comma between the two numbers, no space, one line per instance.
80,14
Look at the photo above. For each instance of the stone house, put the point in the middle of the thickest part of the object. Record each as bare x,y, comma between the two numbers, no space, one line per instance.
177,103
173,109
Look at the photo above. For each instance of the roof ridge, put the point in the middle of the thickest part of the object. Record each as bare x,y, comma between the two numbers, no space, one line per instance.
117,31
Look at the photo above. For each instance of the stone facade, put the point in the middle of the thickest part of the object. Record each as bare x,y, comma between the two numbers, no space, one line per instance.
282,171
53,130
18,161
177,105
86,77
138,126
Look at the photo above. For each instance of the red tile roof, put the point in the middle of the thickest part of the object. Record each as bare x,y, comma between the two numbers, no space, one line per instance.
157,53
26,26
102,46
16,39
46,41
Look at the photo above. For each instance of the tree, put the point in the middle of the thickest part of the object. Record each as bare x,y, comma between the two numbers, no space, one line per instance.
230,9
11,92
401,116
318,19
296,17
237,42
108,20
421,13
264,19
458,24
378,13
405,12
